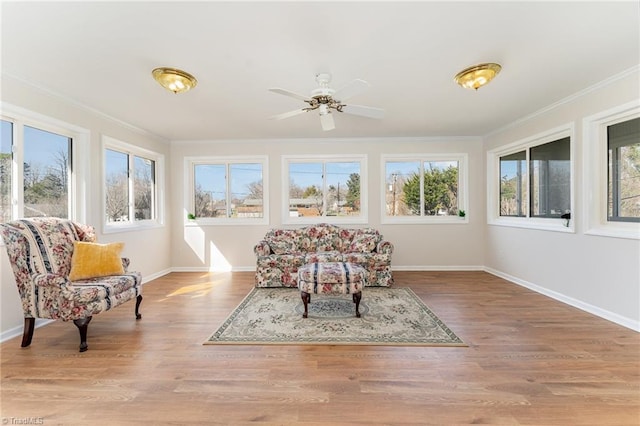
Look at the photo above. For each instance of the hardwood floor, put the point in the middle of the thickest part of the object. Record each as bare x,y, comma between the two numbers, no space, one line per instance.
531,360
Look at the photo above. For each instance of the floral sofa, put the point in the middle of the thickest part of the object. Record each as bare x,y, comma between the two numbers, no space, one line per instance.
41,251
282,251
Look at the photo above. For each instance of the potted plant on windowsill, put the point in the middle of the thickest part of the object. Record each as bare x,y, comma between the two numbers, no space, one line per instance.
191,217
462,213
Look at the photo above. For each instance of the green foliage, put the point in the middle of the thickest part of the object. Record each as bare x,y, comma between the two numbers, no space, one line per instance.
440,191
311,191
353,191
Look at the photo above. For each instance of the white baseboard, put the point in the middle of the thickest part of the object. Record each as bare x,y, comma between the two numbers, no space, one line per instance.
18,331
602,313
438,268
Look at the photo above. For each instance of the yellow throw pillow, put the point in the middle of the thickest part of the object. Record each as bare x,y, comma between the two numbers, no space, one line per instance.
93,260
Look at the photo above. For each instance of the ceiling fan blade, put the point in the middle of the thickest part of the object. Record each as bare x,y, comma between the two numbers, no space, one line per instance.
364,111
354,88
287,114
327,122
289,93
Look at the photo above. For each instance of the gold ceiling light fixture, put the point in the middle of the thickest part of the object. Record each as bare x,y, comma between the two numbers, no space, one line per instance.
173,79
477,76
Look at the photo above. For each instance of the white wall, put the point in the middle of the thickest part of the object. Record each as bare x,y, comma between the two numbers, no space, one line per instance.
444,246
148,250
598,274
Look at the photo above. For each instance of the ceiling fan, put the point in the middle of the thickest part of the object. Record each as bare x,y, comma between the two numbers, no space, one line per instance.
327,101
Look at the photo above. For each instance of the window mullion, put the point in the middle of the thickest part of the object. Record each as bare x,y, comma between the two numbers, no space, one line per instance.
227,182
130,180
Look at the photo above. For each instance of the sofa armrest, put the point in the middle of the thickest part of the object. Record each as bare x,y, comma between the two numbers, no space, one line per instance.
50,280
384,247
262,248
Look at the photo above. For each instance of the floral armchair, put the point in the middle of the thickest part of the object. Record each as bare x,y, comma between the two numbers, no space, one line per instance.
40,252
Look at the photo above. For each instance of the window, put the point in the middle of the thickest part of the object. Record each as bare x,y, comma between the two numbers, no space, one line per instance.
611,172
623,183
131,191
327,187
424,188
228,190
36,163
6,144
530,182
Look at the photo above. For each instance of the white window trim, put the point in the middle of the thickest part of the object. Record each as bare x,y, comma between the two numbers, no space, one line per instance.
362,218
129,149
463,192
596,171
189,196
493,182
21,117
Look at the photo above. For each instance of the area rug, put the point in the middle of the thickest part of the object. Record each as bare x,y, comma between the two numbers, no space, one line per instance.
389,316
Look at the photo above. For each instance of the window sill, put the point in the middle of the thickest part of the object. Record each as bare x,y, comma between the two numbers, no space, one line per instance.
622,230
430,220
226,222
553,225
130,227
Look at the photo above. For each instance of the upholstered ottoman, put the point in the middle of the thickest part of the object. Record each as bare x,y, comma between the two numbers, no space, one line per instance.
331,278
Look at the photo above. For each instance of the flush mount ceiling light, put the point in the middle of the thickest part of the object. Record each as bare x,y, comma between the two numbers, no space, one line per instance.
173,79
477,76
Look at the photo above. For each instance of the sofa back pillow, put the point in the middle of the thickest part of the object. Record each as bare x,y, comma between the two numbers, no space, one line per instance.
365,241
284,241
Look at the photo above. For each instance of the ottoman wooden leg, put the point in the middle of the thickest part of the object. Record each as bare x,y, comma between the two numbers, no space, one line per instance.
306,298
356,300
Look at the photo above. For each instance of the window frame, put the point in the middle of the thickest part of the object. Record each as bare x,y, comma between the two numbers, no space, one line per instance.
463,191
189,196
158,189
362,218
494,178
595,186
78,164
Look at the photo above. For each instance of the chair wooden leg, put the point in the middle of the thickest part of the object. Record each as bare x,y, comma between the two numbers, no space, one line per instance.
29,325
138,301
82,324
306,298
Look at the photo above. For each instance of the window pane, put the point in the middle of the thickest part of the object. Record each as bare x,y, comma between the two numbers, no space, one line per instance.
440,196
624,171
343,189
305,189
550,186
46,173
117,186
246,190
143,183
513,184
210,190
402,195
6,142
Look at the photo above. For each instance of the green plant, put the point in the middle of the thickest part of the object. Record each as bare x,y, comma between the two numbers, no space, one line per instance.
462,213
191,216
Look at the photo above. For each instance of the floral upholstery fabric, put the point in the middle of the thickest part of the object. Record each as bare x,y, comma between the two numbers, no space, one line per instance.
332,278
40,251
283,251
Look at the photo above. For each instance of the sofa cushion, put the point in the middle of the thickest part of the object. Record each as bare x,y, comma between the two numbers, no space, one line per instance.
282,241
363,243
93,260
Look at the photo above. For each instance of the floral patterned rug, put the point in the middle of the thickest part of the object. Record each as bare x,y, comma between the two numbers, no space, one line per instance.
389,316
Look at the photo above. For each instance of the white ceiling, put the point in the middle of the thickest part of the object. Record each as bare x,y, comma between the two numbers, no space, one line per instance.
100,55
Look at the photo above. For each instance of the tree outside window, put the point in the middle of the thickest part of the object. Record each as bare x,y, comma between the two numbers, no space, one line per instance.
129,187
623,189
324,188
422,188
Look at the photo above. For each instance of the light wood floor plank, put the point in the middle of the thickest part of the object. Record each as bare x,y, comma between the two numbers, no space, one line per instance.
530,361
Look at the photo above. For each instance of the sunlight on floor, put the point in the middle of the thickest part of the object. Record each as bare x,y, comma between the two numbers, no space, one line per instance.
198,289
